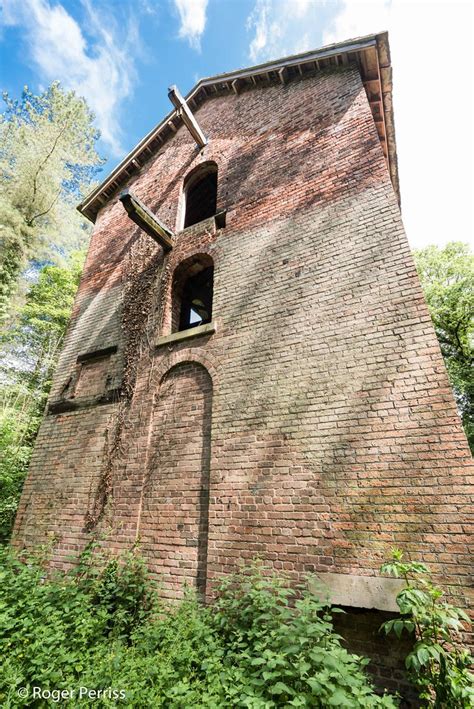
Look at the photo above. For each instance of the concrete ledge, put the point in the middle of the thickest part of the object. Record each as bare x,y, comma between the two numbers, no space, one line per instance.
360,591
61,405
97,354
207,329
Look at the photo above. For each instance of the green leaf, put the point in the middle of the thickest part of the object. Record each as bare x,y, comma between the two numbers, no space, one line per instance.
281,688
339,698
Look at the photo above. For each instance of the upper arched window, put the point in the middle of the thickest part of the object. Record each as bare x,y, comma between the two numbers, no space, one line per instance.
200,190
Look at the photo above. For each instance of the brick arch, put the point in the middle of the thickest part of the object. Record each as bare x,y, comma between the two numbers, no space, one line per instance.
205,166
197,355
174,520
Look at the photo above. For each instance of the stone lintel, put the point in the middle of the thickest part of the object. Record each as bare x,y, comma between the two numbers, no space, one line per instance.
360,591
97,354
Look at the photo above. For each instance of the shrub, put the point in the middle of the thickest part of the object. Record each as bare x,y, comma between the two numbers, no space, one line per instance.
283,641
438,665
259,645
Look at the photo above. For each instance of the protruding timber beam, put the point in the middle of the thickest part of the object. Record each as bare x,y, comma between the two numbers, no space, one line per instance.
186,114
237,85
146,220
283,74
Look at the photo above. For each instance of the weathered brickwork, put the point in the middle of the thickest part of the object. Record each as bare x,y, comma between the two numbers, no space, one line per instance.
316,426
360,630
175,509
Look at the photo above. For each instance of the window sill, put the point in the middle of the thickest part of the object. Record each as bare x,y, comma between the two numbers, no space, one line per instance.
211,224
207,329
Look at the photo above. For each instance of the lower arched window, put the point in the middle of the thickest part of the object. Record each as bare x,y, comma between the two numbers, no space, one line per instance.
193,286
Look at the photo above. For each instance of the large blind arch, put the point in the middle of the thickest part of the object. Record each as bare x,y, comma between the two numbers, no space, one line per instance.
174,521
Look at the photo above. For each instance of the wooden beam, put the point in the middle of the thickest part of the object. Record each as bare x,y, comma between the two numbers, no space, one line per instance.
186,114
146,220
283,74
237,85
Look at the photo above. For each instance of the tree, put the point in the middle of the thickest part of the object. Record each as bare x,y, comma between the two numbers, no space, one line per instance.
33,344
30,351
47,162
447,278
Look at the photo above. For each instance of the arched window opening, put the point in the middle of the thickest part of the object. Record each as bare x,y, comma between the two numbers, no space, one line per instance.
193,285
201,194
196,301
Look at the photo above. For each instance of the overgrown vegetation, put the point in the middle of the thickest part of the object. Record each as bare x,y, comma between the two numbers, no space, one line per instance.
259,644
438,665
30,349
101,625
283,642
447,277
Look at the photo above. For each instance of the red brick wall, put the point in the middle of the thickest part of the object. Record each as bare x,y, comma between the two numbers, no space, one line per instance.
360,630
334,431
65,466
92,377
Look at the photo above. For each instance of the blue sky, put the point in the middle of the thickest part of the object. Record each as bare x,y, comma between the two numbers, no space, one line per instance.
123,54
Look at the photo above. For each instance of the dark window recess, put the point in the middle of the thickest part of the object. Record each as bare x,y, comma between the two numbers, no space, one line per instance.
201,199
196,301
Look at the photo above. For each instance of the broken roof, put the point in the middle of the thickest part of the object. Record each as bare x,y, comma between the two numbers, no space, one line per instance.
371,54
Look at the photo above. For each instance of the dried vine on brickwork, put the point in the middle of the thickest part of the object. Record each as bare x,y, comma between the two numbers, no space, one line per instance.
162,433
139,286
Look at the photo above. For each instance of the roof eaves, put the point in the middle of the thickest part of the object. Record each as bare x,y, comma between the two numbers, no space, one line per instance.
379,41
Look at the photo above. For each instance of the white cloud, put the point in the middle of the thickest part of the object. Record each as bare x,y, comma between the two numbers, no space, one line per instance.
432,59
192,14
100,70
283,27
356,18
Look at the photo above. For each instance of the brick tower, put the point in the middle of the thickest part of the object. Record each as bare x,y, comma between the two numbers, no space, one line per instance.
251,367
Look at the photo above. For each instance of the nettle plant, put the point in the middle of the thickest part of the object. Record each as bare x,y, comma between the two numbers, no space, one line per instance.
438,665
283,642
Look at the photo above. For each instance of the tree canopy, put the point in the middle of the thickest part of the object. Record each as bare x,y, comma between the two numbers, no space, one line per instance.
447,278
29,355
48,160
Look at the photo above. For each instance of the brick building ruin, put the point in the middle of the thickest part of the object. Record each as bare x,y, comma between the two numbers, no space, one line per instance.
251,367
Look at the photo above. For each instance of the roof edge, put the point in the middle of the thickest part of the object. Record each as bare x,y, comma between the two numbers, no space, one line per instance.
91,204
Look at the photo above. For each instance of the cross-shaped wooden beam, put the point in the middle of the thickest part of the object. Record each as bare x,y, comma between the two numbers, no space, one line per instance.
146,220
186,114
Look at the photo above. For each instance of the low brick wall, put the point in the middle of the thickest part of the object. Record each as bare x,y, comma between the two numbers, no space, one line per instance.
360,629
